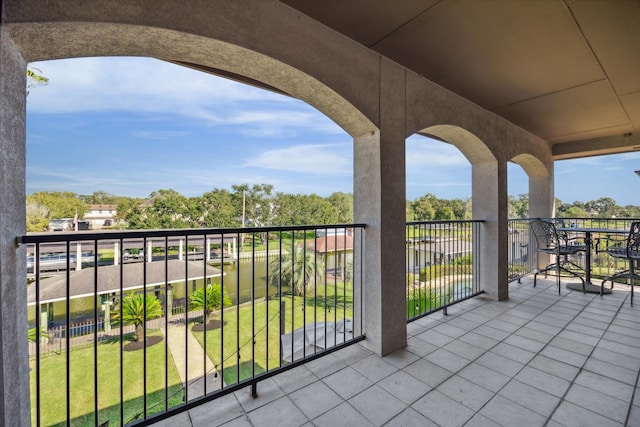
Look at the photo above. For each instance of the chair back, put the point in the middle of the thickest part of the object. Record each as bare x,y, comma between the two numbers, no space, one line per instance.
545,233
633,241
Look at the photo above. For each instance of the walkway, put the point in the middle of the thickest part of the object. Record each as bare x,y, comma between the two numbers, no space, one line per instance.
537,359
193,372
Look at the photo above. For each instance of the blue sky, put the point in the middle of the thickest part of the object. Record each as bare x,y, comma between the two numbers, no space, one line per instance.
130,126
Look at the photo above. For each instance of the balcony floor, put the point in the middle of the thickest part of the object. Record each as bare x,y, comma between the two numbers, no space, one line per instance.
536,359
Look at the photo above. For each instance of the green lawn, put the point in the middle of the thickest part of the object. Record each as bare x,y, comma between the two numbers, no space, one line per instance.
53,384
263,319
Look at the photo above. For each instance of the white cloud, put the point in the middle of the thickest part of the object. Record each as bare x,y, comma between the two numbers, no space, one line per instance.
311,159
133,84
422,151
150,86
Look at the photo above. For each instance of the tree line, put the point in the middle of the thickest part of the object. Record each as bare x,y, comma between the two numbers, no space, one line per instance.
260,206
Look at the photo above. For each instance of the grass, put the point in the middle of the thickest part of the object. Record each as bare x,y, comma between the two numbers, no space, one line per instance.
260,325
53,385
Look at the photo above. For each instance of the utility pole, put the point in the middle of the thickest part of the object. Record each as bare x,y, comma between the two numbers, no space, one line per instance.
243,210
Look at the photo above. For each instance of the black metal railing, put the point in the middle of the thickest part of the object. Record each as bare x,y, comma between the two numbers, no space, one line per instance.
522,249
523,253
152,323
442,265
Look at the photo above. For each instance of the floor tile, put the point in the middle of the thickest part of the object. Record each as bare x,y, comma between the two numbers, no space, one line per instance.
543,381
342,415
377,405
599,403
427,372
443,410
404,387
347,382
484,377
315,399
464,391
571,415
447,360
530,397
507,413
602,384
374,367
277,413
410,418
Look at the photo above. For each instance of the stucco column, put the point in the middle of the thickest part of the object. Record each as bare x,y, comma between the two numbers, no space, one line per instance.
490,204
14,367
541,205
379,201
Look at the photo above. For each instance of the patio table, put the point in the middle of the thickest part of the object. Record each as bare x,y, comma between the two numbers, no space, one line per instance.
588,232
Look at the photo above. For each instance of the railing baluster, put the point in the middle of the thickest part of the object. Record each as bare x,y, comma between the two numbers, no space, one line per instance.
87,334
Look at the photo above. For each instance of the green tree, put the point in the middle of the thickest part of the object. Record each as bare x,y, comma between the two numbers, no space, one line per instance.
300,270
216,209
35,78
37,216
132,310
209,298
604,207
343,202
100,198
423,207
303,209
258,204
519,207
60,204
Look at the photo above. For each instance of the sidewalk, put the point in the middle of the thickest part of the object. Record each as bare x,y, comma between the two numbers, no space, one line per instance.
194,369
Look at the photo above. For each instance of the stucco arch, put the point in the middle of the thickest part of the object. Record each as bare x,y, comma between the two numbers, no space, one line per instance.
533,167
58,40
469,144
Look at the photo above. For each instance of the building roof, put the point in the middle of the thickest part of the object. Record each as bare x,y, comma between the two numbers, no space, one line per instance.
332,243
103,207
444,246
82,282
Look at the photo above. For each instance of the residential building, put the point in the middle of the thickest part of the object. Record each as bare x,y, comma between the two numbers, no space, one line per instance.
101,216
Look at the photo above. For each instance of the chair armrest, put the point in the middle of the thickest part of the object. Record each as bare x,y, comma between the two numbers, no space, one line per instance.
609,242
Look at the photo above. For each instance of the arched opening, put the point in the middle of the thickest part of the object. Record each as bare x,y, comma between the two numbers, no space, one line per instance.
141,155
442,244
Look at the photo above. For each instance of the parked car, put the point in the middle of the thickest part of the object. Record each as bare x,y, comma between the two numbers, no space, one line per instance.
134,254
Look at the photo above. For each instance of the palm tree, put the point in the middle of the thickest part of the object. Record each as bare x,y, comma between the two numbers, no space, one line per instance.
33,335
209,298
133,308
300,270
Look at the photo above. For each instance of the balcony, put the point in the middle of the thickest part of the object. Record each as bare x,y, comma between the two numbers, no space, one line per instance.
536,359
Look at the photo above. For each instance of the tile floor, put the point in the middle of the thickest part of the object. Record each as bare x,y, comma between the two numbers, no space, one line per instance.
537,359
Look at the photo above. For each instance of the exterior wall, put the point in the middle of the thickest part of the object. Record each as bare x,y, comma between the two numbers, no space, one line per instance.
14,368
98,214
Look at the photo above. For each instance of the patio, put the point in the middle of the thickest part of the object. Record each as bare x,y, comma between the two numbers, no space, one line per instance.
535,359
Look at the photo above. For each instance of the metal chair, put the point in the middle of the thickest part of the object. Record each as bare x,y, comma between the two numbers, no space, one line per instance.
552,242
629,250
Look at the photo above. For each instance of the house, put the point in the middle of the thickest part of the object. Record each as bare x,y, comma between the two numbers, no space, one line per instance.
336,251
101,216
437,251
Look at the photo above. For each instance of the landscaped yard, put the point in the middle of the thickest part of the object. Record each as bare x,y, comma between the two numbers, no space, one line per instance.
262,320
82,391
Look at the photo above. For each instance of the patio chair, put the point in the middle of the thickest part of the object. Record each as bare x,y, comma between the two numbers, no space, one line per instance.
551,242
628,249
